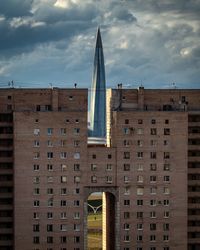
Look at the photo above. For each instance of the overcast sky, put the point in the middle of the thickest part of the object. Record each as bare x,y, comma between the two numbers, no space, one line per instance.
151,42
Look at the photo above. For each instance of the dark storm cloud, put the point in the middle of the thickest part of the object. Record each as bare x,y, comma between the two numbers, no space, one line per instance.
46,24
15,8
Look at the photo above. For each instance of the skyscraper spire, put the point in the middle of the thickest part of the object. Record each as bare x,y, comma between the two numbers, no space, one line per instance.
98,93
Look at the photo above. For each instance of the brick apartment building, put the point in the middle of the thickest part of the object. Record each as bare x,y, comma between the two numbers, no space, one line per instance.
149,169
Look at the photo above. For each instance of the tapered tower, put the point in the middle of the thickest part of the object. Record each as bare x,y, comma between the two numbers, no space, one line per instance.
98,95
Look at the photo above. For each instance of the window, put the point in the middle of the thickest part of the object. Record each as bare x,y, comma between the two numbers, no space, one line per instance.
49,167
77,179
76,227
165,142
126,179
76,167
126,121
152,226
152,178
71,97
139,155
109,179
166,226
166,202
36,191
152,214
126,131
36,131
109,156
36,227
139,226
63,167
63,191
49,179
76,131
140,121
49,155
36,143
126,143
153,190
38,108
49,190
166,190
77,121
36,167
153,155
50,202
9,97
126,238
166,214
140,143
93,179
165,248
140,178
63,239
153,121
166,178
76,143
153,131
49,239
139,131
126,155
36,155
63,227
166,131
153,166
94,156
139,215
126,226
49,215
77,156
49,228
63,215
63,143
139,202
166,167
63,179
63,203
166,155
152,238
63,155
139,167
93,167
153,142
166,121
36,215
36,239
36,203
126,202
140,191
165,237
152,202
76,239
63,131
49,131
127,191
36,179
67,120
76,215
126,167
139,237
126,215
76,203
109,167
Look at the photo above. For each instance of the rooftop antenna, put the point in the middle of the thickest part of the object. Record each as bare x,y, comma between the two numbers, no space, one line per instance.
75,85
174,85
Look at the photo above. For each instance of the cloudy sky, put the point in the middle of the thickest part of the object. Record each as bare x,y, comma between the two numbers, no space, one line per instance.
151,42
